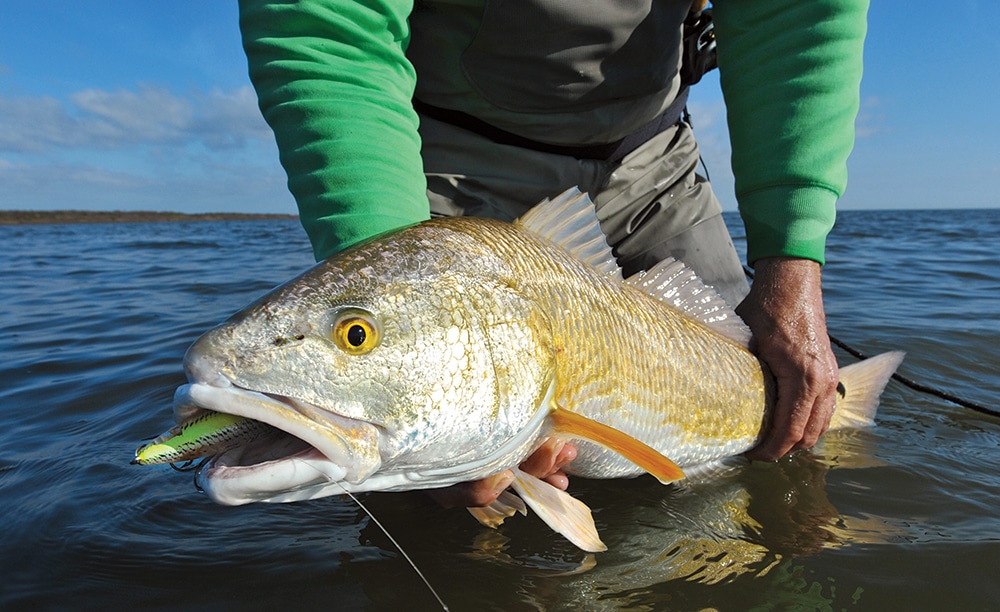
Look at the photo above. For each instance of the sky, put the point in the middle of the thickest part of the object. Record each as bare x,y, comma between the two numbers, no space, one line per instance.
136,105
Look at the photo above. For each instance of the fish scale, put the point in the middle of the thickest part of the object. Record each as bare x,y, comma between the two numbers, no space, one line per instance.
636,363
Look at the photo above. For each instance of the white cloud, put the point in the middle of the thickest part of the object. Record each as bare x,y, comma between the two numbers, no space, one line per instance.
32,124
229,117
140,148
148,115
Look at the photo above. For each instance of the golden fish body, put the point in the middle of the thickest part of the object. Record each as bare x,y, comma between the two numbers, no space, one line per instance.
629,360
446,351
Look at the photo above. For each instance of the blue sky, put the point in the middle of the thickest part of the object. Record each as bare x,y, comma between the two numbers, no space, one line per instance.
118,105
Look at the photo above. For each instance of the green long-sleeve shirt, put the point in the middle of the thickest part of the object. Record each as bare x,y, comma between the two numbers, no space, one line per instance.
335,85
791,73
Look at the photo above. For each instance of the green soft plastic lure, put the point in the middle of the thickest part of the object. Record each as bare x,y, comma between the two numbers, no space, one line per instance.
209,434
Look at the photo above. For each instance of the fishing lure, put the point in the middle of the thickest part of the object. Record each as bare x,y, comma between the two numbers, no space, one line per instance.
212,433
209,434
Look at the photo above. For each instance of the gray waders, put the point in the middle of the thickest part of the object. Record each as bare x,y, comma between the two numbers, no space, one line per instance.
651,204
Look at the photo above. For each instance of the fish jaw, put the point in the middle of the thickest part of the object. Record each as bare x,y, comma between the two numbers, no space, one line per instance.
322,445
339,449
343,461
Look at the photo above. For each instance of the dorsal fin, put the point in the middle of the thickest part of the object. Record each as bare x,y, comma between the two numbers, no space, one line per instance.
570,220
676,284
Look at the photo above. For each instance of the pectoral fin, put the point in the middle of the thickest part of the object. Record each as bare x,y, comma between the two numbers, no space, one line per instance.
562,512
636,451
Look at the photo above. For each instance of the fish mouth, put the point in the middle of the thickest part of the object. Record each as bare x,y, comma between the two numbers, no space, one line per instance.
310,449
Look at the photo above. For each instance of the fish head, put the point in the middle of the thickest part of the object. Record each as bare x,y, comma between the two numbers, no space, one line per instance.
410,361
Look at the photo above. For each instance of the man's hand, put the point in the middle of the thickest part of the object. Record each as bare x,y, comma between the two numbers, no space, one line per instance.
545,463
785,312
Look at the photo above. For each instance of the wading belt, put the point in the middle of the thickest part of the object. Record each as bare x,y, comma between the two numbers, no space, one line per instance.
611,152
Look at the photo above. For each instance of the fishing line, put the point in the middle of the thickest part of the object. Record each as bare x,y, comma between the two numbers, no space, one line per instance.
440,601
196,467
920,386
908,381
416,569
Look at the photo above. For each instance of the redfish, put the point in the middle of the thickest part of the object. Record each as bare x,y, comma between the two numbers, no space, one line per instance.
447,351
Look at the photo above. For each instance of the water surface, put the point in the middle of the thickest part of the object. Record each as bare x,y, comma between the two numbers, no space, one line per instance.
94,321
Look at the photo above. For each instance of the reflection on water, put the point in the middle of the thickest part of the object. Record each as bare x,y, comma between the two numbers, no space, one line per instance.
745,523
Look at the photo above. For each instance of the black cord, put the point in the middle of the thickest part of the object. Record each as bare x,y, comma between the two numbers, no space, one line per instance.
919,386
907,381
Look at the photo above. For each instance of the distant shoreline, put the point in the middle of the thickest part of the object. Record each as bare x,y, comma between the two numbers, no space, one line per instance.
59,217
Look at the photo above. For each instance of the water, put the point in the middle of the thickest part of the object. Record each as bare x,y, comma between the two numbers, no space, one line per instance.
94,323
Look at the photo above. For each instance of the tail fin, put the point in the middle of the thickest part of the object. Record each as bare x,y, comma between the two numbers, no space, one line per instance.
863,383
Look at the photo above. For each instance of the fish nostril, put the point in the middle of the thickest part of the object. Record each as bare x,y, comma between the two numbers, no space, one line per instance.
202,361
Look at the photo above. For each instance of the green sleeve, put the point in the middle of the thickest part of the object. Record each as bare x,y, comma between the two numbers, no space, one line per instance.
335,86
791,73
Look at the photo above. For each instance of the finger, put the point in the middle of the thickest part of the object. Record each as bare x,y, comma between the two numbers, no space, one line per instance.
475,494
779,441
566,456
545,463
819,422
558,480
545,460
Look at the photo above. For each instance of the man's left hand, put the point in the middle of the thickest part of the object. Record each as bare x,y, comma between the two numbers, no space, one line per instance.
545,463
785,312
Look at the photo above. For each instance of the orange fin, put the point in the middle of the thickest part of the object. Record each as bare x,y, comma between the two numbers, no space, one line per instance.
639,453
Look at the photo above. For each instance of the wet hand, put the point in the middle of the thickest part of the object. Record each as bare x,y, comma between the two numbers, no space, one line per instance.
545,463
785,312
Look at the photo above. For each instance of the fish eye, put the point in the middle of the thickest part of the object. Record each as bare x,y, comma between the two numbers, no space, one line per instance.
355,331
356,335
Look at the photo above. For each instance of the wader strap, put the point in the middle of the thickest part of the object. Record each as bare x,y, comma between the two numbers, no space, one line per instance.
611,152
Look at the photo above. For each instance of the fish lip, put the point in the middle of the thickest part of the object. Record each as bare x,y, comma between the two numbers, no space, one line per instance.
228,482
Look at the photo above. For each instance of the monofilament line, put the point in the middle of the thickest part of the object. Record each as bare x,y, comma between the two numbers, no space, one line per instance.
444,606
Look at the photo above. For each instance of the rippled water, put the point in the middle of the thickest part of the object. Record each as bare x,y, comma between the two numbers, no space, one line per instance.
94,320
